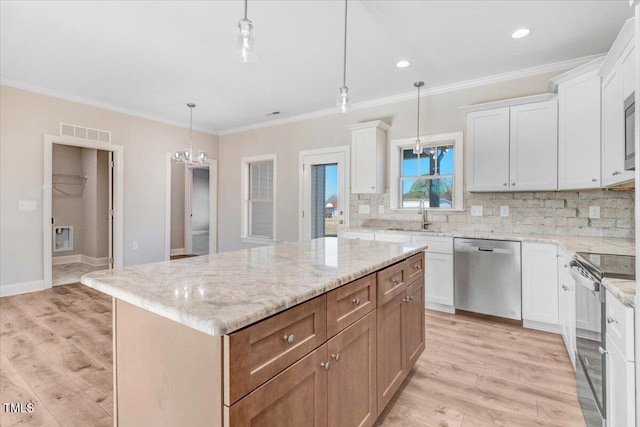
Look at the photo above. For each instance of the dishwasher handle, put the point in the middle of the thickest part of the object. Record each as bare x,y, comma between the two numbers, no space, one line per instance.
485,249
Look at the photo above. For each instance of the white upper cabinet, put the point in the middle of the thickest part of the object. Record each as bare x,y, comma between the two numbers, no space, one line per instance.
579,128
534,146
488,150
618,82
513,144
368,149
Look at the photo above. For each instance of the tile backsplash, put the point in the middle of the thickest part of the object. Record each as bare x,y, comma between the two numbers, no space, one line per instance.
562,212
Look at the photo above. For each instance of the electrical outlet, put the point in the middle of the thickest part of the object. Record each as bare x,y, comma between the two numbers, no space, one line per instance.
380,209
594,212
134,245
504,210
476,210
363,209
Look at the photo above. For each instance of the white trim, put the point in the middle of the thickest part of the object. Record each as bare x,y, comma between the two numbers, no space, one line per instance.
543,97
366,125
66,259
118,201
440,307
625,36
395,145
22,288
104,105
168,252
346,174
541,326
244,191
576,72
436,90
95,262
178,251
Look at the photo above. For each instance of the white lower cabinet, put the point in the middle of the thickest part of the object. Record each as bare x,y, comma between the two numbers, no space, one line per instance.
438,272
567,304
362,235
393,237
621,395
540,286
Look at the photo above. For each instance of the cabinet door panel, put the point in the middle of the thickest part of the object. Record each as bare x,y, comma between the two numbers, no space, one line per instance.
301,389
488,150
391,349
534,146
579,133
438,279
352,375
414,325
540,283
350,302
628,70
620,388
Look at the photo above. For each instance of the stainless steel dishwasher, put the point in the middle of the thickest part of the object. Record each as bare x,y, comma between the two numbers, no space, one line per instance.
488,277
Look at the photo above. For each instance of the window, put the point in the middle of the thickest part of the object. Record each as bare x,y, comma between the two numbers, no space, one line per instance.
259,201
433,178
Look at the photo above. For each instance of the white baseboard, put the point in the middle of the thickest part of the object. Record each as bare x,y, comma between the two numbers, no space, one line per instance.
440,307
21,288
199,232
178,251
96,262
66,259
541,326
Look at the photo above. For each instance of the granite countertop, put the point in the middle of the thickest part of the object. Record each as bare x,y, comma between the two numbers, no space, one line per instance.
218,294
624,290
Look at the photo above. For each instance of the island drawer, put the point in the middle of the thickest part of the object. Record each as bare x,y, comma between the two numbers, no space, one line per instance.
349,303
257,353
391,282
414,267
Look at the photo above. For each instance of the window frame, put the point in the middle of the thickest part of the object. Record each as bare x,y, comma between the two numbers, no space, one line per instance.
395,168
245,164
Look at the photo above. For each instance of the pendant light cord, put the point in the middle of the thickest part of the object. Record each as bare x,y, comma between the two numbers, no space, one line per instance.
344,68
191,127
418,117
245,9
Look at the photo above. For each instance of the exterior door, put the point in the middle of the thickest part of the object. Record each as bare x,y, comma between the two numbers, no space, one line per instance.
324,195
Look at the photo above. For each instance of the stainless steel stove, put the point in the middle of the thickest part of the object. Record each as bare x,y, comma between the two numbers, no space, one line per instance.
588,270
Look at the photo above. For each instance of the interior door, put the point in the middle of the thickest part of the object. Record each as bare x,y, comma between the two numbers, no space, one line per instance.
324,195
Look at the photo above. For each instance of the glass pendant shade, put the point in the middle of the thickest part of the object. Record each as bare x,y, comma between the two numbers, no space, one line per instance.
245,50
418,148
344,100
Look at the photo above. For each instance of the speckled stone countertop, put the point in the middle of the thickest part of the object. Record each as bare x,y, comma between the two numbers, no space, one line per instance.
625,290
218,294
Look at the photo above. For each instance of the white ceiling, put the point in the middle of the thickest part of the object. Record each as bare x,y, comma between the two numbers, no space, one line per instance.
150,58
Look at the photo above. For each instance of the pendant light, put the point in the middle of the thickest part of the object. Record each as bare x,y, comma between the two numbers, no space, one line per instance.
418,148
344,98
185,156
246,42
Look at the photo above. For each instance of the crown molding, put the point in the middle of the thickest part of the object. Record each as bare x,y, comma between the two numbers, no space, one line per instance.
575,72
92,103
436,90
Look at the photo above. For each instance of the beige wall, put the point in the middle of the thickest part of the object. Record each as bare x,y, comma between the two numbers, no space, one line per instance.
441,113
24,118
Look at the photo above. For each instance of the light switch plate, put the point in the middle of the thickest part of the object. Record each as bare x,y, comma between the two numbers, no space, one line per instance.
594,212
504,210
26,205
380,209
476,210
363,209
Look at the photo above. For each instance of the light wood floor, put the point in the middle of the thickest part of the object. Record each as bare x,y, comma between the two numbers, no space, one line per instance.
55,351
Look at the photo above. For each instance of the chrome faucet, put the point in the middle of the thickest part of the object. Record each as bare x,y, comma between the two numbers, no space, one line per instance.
423,212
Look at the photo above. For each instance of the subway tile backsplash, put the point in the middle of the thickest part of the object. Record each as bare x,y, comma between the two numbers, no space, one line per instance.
562,212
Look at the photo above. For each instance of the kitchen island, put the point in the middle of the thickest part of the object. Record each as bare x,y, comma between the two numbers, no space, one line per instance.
311,333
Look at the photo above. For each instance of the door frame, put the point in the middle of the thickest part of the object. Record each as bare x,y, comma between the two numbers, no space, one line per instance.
212,165
340,155
47,198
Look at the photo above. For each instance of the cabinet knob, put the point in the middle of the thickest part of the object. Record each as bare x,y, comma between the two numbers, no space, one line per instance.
565,288
505,184
394,280
325,365
594,179
417,266
410,298
356,301
372,187
513,183
616,173
336,357
289,339
611,320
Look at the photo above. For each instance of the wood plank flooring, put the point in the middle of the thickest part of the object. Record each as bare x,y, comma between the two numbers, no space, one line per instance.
56,351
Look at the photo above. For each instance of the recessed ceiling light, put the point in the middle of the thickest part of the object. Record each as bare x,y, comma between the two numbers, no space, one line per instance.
520,33
403,64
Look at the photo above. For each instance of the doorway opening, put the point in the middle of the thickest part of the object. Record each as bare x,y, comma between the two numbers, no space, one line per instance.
324,196
82,208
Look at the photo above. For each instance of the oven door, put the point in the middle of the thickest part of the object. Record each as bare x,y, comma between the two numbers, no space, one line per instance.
590,369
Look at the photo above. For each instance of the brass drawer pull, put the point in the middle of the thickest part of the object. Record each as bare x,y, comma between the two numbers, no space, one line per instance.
289,339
